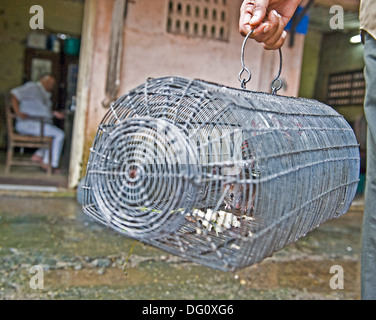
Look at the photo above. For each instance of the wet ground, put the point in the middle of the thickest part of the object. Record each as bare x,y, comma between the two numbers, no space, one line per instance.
81,259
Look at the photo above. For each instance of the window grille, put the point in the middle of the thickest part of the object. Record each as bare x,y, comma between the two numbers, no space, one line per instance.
199,18
345,89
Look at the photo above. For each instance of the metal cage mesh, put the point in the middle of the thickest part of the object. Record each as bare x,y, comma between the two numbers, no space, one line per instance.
220,176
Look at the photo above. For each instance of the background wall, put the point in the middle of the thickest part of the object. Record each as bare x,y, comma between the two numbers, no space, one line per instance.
325,54
339,55
150,51
311,61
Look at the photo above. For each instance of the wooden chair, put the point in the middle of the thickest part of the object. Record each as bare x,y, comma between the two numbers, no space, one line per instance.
24,141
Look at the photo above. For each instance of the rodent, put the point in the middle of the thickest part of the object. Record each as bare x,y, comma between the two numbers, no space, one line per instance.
238,194
237,197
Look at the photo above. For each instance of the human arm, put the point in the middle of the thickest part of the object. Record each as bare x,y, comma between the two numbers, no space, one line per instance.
16,107
59,115
268,18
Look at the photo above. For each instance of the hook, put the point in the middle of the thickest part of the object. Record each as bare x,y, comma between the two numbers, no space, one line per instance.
277,83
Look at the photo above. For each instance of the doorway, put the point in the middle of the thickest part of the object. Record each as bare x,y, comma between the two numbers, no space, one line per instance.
28,53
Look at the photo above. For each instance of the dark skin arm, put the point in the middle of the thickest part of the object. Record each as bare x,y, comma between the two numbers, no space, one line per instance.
268,18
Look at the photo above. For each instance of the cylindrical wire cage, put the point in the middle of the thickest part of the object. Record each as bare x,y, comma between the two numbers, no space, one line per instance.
223,177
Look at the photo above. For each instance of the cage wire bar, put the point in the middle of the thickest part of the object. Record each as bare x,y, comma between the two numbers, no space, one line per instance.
220,176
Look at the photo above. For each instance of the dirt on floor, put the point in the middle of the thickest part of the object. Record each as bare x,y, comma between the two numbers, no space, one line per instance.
81,259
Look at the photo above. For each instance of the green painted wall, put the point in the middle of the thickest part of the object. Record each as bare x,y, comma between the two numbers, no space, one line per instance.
311,60
338,55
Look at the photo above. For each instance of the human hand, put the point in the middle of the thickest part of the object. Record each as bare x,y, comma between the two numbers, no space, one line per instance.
59,115
22,115
268,18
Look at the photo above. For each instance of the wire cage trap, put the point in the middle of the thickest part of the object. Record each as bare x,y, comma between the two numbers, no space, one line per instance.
220,176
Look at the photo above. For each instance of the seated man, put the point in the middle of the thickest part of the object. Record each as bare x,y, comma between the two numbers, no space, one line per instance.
34,99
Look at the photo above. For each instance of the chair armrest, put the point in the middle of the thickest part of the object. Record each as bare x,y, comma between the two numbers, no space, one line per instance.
42,120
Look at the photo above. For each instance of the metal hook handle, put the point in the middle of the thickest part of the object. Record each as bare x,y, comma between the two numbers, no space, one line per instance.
277,83
244,81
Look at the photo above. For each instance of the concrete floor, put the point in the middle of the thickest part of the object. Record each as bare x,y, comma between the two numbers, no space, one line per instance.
84,260
30,175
